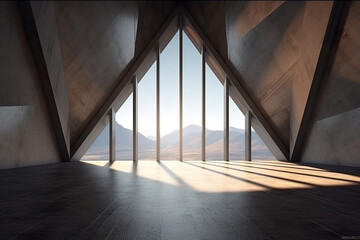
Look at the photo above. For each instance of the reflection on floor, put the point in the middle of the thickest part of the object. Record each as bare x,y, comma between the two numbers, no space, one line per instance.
180,200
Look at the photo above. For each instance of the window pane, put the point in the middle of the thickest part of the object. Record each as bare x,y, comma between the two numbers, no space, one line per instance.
191,101
214,117
169,100
259,151
147,115
99,150
123,130
236,132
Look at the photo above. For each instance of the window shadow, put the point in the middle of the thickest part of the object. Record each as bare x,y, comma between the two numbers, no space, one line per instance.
261,174
290,172
85,201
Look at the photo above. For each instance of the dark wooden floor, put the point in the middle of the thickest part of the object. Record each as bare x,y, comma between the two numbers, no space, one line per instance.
174,200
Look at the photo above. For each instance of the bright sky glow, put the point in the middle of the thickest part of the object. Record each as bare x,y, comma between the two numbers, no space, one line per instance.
147,104
124,114
191,84
169,95
169,87
236,117
214,101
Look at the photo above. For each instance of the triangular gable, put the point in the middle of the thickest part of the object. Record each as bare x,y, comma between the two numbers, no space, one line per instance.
140,66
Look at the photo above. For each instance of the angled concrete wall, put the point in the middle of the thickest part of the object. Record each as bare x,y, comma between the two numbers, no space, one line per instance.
335,135
274,47
309,38
45,21
210,17
100,43
27,135
97,42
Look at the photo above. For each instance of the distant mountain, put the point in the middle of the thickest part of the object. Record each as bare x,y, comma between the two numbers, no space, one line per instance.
151,138
190,133
169,144
123,141
236,130
123,138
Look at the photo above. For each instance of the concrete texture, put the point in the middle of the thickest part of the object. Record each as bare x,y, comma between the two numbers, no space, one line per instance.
335,135
180,200
211,19
44,16
335,140
277,51
152,15
97,42
27,134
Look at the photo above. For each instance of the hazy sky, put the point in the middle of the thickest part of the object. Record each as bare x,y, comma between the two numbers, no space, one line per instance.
169,95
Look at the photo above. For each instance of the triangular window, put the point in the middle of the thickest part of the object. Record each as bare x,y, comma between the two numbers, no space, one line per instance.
167,81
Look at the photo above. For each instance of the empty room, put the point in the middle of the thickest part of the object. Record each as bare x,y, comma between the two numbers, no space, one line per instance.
180,120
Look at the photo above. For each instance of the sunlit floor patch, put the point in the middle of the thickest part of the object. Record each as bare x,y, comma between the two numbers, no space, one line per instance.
233,176
305,174
202,179
98,163
145,169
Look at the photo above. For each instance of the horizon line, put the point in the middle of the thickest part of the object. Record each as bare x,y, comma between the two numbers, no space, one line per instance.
178,129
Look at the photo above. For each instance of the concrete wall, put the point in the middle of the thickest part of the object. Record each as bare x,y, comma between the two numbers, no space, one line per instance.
97,42
26,132
100,42
45,21
211,19
274,47
335,135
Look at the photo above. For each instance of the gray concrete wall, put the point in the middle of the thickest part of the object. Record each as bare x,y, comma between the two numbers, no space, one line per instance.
335,135
100,42
97,42
211,19
26,132
44,16
274,47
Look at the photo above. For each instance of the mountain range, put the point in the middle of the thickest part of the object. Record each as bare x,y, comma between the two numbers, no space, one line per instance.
169,145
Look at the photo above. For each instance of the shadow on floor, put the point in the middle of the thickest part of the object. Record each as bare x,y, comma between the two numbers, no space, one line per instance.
179,200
